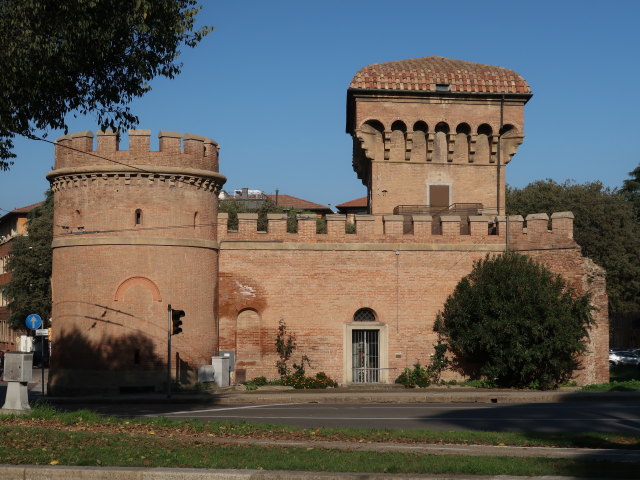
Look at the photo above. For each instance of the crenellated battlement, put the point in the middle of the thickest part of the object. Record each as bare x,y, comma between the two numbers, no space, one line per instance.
523,233
81,150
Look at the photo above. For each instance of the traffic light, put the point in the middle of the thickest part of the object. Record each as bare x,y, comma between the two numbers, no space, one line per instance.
176,316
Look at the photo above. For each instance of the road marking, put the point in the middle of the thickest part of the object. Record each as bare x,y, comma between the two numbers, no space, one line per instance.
476,406
186,412
432,407
444,419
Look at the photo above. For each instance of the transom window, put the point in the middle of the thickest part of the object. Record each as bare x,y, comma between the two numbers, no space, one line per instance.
364,315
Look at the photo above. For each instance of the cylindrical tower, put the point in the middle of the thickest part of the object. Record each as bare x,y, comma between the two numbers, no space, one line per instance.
134,231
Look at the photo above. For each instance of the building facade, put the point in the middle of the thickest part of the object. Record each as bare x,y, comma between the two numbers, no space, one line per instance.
12,225
431,137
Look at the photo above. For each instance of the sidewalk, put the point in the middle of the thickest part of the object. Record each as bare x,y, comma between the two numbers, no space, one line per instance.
9,472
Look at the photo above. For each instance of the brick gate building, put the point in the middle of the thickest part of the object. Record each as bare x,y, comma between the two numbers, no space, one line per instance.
432,138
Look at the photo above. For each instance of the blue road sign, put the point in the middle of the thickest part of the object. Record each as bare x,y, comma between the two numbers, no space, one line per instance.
33,321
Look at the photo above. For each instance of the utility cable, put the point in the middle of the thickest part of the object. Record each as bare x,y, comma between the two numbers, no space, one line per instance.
91,154
134,229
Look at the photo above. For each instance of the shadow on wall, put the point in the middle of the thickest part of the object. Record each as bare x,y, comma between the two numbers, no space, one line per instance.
122,364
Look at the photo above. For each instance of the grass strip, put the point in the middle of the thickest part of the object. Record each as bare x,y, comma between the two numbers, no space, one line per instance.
35,446
48,417
614,386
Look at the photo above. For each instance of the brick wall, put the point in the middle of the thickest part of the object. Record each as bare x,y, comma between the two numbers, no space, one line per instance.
7,335
316,282
130,238
404,143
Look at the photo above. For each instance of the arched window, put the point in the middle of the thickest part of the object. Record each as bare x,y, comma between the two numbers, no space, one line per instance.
138,217
420,126
364,315
506,129
485,129
375,124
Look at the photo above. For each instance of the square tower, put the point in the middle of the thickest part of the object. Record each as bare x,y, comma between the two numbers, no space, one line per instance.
433,135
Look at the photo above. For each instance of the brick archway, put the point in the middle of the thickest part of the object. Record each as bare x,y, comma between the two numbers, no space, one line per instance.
135,281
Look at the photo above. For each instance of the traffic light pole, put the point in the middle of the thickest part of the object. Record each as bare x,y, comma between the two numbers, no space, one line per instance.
42,364
169,351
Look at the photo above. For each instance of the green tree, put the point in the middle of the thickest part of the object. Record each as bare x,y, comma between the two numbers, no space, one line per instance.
631,190
85,56
514,323
604,226
234,206
29,290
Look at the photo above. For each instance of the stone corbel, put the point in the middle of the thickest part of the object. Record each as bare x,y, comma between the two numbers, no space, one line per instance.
451,145
493,146
366,144
510,147
473,138
387,144
409,146
429,137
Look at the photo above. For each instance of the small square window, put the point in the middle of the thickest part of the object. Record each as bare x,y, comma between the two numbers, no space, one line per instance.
443,87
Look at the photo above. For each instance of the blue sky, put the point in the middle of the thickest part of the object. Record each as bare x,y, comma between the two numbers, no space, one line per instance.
269,84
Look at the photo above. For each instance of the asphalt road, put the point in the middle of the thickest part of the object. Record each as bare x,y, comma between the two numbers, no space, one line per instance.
616,417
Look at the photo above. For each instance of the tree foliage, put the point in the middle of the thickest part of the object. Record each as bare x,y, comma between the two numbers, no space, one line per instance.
263,207
285,346
631,190
29,290
515,323
604,226
85,56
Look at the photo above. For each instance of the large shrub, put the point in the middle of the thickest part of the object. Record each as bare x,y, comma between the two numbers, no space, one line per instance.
516,324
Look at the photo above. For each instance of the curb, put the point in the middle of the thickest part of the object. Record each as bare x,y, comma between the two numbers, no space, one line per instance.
11,472
353,397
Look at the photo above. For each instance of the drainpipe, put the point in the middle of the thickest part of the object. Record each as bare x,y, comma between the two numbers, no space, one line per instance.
498,183
499,155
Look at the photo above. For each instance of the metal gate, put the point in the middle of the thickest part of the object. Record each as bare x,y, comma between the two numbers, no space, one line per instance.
365,359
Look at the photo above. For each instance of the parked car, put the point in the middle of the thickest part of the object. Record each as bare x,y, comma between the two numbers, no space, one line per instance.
624,357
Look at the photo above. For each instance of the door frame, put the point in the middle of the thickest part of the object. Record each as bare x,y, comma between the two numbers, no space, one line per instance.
383,349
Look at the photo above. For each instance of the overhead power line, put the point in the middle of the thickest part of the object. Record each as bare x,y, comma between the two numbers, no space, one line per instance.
81,231
92,154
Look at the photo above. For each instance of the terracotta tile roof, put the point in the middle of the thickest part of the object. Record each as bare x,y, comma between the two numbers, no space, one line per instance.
358,202
298,203
18,211
422,74
26,209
